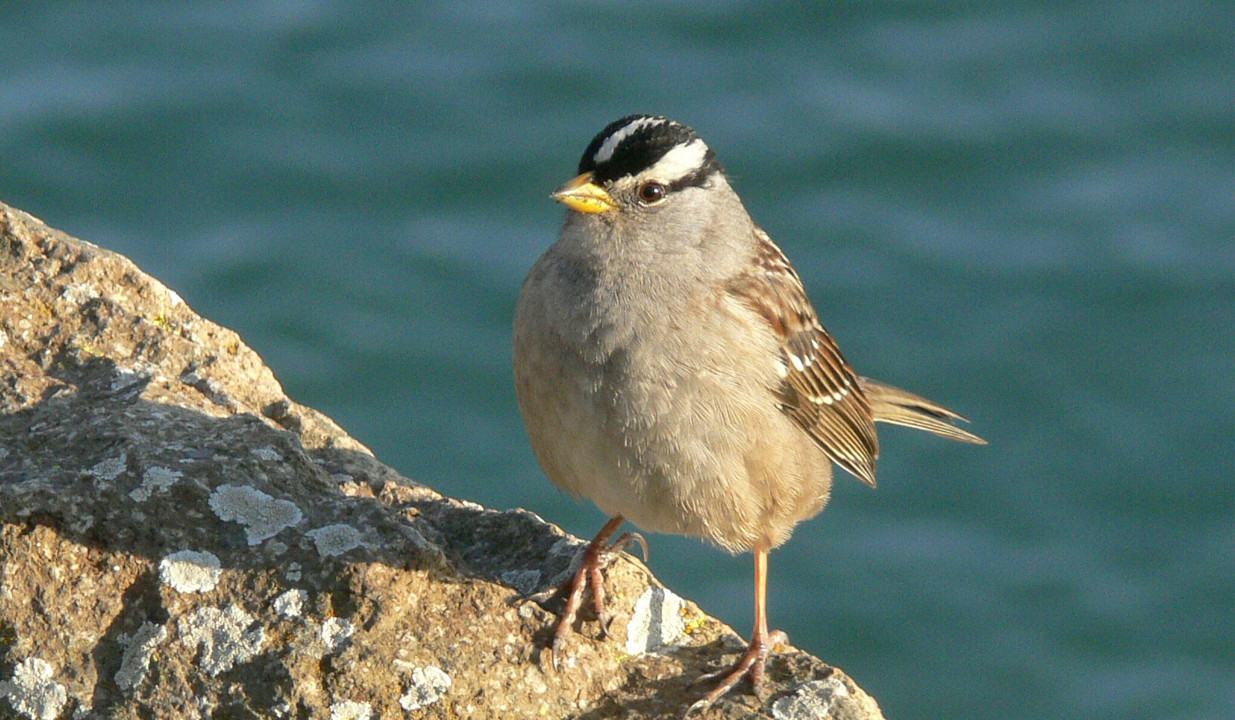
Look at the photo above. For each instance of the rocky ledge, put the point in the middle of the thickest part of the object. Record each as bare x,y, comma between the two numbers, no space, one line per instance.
178,538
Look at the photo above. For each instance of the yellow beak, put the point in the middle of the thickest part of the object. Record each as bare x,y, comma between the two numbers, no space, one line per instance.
583,195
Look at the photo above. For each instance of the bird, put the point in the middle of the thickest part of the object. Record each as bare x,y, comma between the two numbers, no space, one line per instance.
670,368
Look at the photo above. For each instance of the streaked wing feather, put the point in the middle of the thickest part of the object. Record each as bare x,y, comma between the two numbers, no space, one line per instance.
821,392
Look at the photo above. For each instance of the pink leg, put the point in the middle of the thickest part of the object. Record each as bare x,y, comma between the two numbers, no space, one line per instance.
573,589
751,664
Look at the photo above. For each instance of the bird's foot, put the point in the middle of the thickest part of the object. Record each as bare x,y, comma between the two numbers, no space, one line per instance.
750,665
607,556
596,558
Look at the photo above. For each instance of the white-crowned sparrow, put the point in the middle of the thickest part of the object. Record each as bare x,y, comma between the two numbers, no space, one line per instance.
670,368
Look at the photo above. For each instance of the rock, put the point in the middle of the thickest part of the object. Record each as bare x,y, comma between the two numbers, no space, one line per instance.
178,538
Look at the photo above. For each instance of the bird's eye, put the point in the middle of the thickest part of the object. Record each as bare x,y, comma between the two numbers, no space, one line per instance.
650,192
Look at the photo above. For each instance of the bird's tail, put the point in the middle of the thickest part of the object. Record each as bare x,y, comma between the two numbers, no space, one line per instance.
900,407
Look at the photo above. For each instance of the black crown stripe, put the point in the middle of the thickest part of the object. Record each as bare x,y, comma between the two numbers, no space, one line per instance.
642,149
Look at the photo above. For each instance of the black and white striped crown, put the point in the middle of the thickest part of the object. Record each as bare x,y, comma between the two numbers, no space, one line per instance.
639,143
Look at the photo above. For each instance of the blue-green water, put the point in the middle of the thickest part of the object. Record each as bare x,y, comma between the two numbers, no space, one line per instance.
1023,209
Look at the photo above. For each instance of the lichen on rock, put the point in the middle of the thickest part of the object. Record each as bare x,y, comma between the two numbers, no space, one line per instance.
139,649
261,515
190,571
351,710
154,480
658,622
428,685
33,690
291,603
336,539
222,637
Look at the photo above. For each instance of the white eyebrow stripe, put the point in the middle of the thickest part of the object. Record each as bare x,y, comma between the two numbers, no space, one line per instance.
679,162
610,144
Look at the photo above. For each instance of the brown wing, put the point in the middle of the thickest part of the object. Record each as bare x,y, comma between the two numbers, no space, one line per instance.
820,391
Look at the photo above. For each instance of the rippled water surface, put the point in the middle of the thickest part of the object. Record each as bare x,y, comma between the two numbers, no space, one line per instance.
1023,209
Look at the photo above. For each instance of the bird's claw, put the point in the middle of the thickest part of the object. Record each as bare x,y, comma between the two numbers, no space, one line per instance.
751,666
625,540
606,622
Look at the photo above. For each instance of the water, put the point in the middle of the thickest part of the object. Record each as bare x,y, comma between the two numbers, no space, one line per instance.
1025,210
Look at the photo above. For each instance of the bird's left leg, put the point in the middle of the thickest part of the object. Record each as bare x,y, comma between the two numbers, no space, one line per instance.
751,664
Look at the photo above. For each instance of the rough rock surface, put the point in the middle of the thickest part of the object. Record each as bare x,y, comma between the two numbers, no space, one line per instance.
179,539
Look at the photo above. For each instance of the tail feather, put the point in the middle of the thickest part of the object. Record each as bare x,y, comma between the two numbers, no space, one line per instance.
900,407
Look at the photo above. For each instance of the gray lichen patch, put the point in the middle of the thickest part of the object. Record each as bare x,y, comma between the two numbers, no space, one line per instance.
527,582
266,453
224,637
136,660
657,623
336,632
814,699
291,603
262,516
33,691
190,571
350,710
79,293
334,540
109,469
155,479
429,684
127,378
